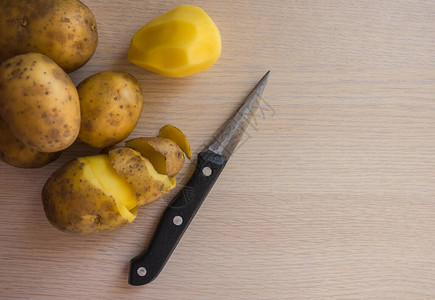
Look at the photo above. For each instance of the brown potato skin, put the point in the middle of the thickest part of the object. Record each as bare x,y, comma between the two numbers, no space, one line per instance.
17,154
171,151
39,102
173,133
64,30
73,205
110,105
133,168
174,156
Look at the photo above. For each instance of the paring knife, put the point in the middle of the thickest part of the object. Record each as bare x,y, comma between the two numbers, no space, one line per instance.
145,267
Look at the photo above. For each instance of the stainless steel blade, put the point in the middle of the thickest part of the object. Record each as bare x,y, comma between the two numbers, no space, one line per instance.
230,134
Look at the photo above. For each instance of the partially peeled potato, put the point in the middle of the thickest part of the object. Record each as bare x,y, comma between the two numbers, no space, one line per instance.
88,195
103,192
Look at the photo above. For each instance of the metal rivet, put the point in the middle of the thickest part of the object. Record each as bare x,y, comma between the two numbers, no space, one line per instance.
177,220
141,271
206,171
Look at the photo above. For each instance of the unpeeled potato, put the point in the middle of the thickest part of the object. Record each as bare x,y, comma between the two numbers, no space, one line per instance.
110,105
39,102
64,30
17,154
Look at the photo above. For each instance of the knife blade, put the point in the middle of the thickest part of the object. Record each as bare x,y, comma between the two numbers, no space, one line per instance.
146,266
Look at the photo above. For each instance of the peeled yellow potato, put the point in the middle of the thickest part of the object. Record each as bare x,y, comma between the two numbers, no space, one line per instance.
140,173
181,42
17,154
164,154
88,195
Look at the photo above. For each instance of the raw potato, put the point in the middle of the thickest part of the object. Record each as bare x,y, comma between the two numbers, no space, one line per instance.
111,104
39,102
88,195
178,43
17,154
149,185
64,30
175,134
164,154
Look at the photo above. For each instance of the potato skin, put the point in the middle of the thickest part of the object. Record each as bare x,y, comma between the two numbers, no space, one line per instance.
171,151
72,204
64,30
133,167
174,157
173,133
17,154
39,102
110,105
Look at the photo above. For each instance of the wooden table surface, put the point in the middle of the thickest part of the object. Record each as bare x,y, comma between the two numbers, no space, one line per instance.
331,196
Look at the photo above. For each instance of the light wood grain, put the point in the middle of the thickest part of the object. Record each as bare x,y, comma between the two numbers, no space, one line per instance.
331,197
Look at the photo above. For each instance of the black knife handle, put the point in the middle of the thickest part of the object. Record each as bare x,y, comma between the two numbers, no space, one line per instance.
145,267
